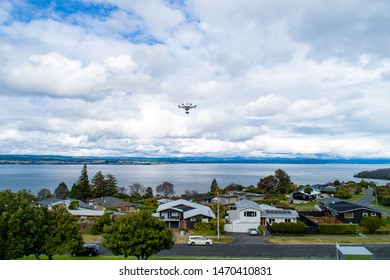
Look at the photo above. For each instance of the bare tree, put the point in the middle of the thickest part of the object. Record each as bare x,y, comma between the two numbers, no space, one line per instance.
165,189
137,190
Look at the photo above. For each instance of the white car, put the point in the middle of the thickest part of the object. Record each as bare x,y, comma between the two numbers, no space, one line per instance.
253,231
199,240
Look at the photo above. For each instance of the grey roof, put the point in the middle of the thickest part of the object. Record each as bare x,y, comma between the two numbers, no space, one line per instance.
113,202
190,209
244,204
354,250
55,201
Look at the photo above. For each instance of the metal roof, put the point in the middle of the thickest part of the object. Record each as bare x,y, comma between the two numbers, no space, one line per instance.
354,250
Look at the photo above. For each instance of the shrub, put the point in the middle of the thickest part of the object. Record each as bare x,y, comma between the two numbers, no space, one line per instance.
202,226
372,223
288,228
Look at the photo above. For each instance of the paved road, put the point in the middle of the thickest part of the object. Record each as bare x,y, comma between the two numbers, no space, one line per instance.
269,251
367,199
246,246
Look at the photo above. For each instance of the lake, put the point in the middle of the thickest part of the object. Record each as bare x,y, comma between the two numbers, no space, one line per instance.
183,176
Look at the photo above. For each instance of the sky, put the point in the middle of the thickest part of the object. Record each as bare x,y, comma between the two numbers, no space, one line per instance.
269,78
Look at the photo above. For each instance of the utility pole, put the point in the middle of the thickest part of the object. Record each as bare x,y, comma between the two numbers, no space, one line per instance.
218,214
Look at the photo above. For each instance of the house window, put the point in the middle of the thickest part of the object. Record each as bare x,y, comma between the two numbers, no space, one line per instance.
250,214
348,215
373,214
287,220
365,214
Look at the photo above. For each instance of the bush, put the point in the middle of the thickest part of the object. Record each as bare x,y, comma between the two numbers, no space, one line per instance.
288,228
202,226
372,223
98,226
337,228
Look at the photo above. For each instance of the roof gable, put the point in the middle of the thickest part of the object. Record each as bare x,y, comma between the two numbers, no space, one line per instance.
187,207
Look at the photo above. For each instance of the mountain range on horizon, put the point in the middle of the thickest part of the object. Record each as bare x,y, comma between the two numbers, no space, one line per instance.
59,159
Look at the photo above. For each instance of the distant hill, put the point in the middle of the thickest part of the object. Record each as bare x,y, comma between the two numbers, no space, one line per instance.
55,159
383,174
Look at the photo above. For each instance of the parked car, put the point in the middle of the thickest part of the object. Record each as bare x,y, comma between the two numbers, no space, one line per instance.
253,231
87,250
199,240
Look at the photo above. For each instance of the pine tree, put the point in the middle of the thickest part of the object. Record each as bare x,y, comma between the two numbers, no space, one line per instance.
83,184
98,187
111,188
61,191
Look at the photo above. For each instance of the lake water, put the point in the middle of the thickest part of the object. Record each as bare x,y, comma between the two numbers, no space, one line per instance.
182,176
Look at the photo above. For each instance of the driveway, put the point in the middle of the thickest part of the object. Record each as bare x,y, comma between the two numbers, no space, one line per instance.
244,238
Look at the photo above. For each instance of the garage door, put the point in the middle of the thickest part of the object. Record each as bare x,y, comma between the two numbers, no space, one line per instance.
240,227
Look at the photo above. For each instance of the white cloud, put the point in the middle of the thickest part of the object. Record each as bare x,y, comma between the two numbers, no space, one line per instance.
269,77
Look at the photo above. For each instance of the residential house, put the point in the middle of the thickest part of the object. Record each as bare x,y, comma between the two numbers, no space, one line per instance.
232,197
300,196
110,203
183,213
51,202
201,198
249,214
347,212
84,210
85,214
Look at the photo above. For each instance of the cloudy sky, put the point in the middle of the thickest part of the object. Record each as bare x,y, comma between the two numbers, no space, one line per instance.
270,78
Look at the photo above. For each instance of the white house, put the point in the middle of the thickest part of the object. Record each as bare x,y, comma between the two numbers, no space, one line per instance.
249,214
183,211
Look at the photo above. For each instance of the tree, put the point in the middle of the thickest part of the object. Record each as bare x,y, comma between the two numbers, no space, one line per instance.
137,234
84,188
165,189
283,181
25,229
148,192
76,192
98,186
111,185
99,224
214,187
137,190
343,193
62,233
308,190
61,191
20,224
43,194
372,223
233,187
267,184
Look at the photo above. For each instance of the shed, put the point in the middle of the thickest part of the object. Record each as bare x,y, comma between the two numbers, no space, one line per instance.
353,253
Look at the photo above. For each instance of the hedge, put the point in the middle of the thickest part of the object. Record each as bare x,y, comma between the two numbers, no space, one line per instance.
294,228
337,228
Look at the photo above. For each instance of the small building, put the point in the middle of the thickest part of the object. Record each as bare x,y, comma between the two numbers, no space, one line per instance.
182,212
353,253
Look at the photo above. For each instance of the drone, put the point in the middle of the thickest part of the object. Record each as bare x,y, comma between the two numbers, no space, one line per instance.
186,107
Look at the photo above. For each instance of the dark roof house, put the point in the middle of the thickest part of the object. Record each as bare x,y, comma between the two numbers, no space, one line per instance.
348,212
